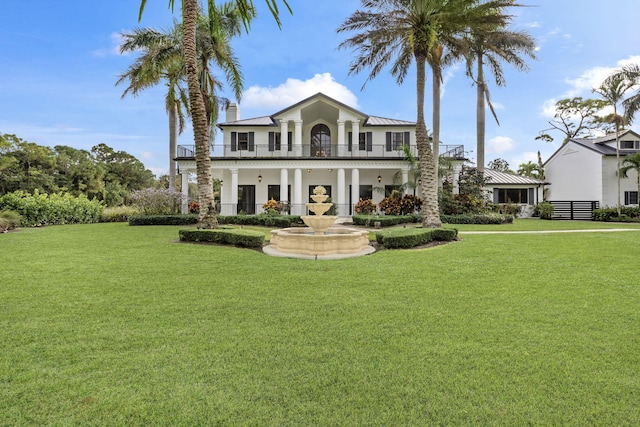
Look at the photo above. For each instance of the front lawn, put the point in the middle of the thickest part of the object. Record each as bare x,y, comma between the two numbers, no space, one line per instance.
108,324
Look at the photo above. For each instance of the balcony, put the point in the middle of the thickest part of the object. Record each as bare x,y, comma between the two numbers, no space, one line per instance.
308,151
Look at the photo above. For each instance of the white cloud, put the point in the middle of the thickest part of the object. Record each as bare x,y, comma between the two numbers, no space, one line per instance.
500,144
585,83
271,99
524,157
114,49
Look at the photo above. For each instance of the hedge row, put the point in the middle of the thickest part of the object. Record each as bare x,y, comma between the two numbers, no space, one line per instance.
391,220
412,237
277,221
224,236
385,220
627,214
43,209
488,218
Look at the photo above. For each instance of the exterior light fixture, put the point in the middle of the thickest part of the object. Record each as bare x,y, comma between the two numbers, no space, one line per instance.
260,177
379,178
309,170
330,170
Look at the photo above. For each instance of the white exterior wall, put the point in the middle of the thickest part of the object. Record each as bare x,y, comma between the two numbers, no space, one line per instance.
575,173
610,183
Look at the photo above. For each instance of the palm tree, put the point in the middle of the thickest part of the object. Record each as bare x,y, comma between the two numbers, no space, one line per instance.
397,32
161,59
198,109
612,91
631,162
493,45
631,73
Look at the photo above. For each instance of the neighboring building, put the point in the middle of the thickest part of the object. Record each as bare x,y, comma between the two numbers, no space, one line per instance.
318,141
512,188
585,170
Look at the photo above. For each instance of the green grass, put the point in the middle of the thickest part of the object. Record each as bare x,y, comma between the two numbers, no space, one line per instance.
107,324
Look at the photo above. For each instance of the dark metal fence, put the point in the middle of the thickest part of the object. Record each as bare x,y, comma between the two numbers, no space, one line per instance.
574,209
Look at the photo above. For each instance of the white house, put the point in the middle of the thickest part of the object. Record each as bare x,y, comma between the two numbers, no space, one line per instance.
318,141
585,170
504,187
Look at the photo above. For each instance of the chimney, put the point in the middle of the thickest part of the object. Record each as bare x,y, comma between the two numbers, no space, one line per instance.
233,113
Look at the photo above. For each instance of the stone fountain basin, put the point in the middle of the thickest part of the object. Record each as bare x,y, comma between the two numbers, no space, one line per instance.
336,240
319,223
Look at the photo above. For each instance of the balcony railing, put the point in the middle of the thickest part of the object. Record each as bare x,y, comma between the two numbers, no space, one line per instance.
265,151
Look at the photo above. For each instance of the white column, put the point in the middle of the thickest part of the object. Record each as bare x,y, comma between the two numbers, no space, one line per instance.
297,138
184,208
234,191
284,130
355,187
284,183
342,193
297,193
341,139
355,137
405,179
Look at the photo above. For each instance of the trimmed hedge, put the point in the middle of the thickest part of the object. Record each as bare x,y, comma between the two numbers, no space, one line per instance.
224,236
163,219
488,218
277,221
627,214
412,237
385,220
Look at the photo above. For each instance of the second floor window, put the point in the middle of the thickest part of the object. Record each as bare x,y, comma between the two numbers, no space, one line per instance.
395,140
242,141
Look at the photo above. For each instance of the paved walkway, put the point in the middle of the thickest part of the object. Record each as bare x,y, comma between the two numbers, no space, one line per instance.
594,230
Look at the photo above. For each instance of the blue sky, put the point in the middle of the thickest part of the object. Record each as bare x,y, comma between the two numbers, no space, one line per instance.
59,64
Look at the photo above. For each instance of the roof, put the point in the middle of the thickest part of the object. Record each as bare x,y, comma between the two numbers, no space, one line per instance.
497,177
270,121
599,145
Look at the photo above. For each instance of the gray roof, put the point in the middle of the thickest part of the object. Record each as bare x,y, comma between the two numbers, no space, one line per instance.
382,121
256,121
497,177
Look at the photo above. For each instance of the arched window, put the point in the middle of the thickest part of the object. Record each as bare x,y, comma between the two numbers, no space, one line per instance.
320,141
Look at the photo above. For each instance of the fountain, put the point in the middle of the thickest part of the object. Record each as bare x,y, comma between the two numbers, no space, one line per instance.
320,239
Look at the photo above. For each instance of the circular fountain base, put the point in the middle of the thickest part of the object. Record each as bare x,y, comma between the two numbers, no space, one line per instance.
334,243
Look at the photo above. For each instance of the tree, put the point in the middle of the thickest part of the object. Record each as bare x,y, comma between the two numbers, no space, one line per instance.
500,165
530,169
198,109
161,59
398,32
78,173
575,117
631,73
493,45
631,162
612,91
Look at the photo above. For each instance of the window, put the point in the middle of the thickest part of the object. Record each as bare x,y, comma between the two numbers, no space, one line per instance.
366,192
395,140
320,141
365,141
273,192
362,141
629,145
512,195
242,141
630,197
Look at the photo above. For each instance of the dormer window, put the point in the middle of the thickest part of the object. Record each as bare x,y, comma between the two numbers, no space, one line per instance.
629,145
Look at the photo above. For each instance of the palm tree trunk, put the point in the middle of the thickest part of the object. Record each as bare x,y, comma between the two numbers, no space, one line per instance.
615,116
480,117
173,141
429,187
436,123
199,117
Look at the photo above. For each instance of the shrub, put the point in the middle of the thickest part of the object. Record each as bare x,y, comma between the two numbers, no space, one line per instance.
9,220
412,237
544,210
118,214
163,219
194,207
365,207
394,205
385,220
627,214
488,218
506,209
234,237
157,201
42,209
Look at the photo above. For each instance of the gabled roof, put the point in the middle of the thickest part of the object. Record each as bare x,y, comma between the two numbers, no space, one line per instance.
497,177
599,145
270,120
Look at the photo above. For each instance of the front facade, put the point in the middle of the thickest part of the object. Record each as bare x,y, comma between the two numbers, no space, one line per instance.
505,187
318,141
586,170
